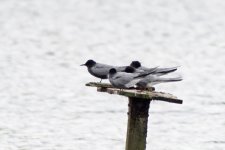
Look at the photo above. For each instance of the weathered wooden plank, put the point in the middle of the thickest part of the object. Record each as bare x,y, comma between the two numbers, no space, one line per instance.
161,96
98,84
107,85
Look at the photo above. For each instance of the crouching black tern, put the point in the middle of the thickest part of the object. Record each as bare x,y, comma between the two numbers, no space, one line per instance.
125,80
154,77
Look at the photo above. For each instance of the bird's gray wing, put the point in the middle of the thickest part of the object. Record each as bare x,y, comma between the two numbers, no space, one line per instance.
154,79
148,80
163,71
98,65
121,79
139,70
172,79
144,68
147,72
160,71
101,70
120,68
134,78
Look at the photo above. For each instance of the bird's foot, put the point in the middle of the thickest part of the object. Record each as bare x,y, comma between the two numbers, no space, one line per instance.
140,89
120,90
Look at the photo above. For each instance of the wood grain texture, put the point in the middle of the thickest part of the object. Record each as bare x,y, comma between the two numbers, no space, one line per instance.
137,93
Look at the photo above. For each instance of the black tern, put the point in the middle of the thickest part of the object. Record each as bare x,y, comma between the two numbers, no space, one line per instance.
125,80
100,70
159,71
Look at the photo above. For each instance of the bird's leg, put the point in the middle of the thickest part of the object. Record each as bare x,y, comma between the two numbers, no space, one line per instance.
141,89
100,81
130,88
150,88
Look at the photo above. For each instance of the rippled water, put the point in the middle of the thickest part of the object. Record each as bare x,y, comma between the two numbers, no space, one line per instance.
44,104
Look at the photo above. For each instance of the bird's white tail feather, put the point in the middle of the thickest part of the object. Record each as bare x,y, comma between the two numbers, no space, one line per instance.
132,83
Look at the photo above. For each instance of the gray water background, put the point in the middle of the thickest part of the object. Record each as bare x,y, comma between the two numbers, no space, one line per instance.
44,104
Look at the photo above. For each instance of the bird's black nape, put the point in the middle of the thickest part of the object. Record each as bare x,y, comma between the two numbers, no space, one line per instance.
135,64
129,69
112,71
90,63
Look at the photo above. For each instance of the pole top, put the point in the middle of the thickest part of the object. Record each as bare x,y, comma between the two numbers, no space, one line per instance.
135,93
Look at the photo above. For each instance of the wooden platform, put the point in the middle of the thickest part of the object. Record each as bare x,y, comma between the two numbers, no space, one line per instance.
135,93
138,108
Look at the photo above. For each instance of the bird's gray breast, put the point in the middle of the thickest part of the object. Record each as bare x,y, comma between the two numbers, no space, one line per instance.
99,71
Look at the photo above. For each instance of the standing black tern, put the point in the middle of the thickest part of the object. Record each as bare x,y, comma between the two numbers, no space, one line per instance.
100,70
125,80
159,71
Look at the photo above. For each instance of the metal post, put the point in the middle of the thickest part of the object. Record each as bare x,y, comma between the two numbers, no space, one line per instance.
137,123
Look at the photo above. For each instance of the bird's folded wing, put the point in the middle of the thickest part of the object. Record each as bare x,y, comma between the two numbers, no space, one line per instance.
103,70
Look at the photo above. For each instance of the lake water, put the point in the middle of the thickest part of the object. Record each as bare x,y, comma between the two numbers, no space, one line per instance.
44,104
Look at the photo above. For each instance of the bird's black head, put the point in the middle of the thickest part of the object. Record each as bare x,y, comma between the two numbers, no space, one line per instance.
129,69
135,64
89,63
112,71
